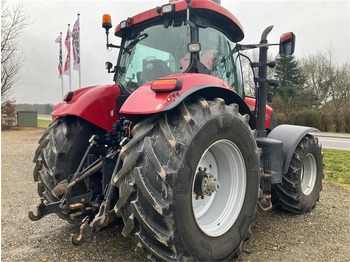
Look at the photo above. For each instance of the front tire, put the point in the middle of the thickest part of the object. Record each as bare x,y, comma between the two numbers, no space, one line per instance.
301,185
157,182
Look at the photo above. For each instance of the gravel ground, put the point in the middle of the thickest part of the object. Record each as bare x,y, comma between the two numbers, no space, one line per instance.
322,235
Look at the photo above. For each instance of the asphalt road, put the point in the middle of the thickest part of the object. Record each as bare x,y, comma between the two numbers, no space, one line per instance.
334,140
45,118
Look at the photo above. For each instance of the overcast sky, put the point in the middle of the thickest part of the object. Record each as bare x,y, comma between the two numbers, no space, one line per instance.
317,24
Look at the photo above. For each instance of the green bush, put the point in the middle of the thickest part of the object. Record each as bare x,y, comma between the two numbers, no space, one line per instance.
338,121
330,118
325,120
285,110
308,117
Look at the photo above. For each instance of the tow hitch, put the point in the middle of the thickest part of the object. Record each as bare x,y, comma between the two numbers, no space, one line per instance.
79,205
264,201
44,209
102,218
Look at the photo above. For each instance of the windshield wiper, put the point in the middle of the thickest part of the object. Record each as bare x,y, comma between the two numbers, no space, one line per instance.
134,42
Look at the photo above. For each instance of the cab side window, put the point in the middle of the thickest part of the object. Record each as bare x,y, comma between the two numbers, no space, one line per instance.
218,54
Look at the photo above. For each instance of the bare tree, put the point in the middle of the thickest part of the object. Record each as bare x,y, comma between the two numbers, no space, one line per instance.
342,84
328,81
13,21
248,76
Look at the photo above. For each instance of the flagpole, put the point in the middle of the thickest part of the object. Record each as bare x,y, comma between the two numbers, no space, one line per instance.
70,71
62,90
60,63
62,86
79,53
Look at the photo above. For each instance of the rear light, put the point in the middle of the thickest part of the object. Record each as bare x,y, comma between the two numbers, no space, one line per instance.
68,97
166,85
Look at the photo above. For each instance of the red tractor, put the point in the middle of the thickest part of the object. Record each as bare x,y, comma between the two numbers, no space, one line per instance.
174,149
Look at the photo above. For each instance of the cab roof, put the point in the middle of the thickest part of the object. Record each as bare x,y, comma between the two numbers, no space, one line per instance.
218,16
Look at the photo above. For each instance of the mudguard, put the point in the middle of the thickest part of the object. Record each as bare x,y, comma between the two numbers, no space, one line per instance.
146,101
290,136
96,104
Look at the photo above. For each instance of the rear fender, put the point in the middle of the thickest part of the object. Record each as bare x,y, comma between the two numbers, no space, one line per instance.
96,104
290,136
145,101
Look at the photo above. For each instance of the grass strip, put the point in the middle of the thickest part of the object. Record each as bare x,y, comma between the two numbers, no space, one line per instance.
337,166
43,123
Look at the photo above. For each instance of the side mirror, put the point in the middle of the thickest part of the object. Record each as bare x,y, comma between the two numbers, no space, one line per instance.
108,66
287,44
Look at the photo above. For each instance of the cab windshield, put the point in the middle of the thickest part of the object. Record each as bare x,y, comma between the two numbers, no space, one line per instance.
152,53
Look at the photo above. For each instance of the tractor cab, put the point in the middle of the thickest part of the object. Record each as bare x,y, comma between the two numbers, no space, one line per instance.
180,37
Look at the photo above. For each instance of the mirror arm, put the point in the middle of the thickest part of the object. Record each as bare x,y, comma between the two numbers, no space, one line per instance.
108,45
253,46
113,46
111,71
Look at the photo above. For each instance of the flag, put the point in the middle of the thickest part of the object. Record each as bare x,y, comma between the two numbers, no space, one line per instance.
60,62
67,43
76,45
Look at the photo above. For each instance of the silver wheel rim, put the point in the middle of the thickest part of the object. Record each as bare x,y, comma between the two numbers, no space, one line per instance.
216,214
308,174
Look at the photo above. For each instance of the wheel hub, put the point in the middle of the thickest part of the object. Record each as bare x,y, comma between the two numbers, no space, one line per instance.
216,205
205,184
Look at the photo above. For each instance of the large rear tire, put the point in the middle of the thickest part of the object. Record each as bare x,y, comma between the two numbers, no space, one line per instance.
157,182
301,185
58,155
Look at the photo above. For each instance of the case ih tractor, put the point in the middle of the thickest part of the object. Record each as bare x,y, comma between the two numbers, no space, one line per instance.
174,150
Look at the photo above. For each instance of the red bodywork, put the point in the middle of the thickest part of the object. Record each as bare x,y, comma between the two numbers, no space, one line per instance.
153,102
96,104
251,103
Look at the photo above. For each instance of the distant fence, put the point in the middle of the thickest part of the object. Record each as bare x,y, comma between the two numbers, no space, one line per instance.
8,120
